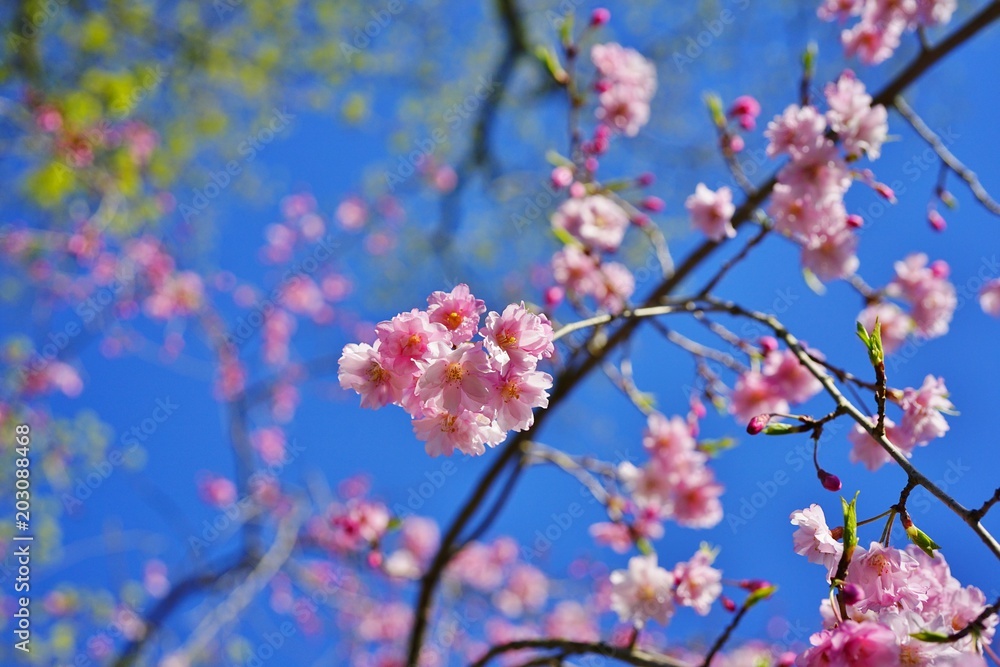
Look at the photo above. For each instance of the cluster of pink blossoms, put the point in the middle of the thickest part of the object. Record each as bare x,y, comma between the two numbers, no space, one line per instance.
583,273
626,84
676,483
892,594
645,591
923,420
461,394
781,381
882,23
808,200
931,298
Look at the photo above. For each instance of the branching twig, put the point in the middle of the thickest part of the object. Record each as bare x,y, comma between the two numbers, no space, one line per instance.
947,157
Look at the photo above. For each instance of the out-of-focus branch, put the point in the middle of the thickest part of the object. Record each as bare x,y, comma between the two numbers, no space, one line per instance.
947,157
629,656
478,154
243,595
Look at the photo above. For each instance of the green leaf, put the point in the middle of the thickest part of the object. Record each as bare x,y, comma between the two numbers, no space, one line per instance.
813,282
551,62
760,594
778,428
928,636
922,540
566,29
850,524
645,548
716,446
715,108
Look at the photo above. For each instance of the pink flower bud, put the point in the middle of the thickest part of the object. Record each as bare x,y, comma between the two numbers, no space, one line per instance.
936,220
591,164
854,220
754,584
640,220
768,344
728,604
787,659
885,191
829,481
600,16
554,296
758,424
562,177
736,143
852,593
744,105
654,204
646,179
748,122
940,269
602,86
578,190
375,559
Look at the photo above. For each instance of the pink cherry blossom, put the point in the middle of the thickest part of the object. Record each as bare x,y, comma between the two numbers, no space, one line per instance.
515,394
797,131
410,337
753,395
922,408
696,583
357,524
627,83
468,432
861,127
790,378
672,434
712,212
518,336
572,621
814,540
867,644
615,535
868,451
458,311
363,369
989,297
642,592
458,380
885,576
927,289
596,221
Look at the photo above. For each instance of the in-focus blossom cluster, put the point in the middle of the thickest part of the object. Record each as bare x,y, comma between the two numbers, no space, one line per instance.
675,483
461,394
808,201
882,23
780,381
626,84
923,420
646,591
891,595
931,298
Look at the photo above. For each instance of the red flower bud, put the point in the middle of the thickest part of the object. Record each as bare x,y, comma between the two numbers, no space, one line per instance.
854,220
654,204
600,16
829,481
758,424
852,593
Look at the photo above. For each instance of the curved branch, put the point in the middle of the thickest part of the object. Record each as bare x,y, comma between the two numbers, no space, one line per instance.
629,656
